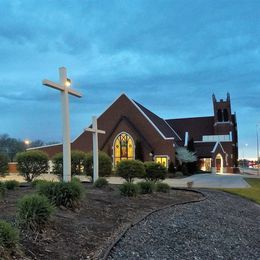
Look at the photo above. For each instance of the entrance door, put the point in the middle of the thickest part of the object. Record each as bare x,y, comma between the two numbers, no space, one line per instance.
219,163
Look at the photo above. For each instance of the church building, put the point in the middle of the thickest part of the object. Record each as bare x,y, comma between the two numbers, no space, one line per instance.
131,128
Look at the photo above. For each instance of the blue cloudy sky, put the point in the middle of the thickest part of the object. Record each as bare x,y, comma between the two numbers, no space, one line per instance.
168,55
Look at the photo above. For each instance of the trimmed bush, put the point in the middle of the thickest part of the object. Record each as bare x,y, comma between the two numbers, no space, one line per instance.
104,164
130,169
162,187
78,160
171,168
66,194
146,187
9,236
31,164
3,165
2,190
154,171
34,212
128,189
11,185
100,183
178,174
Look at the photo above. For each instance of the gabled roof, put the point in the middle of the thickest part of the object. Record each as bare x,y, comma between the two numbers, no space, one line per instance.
159,122
196,126
204,149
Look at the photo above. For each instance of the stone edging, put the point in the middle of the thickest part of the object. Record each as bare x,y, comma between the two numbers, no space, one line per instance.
105,255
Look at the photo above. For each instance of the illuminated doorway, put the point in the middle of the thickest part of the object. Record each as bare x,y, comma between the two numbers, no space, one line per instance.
123,148
219,163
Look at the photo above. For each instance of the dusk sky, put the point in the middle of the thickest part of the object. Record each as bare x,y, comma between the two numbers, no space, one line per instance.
170,56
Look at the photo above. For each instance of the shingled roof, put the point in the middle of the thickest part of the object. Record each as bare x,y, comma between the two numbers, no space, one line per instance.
159,122
196,126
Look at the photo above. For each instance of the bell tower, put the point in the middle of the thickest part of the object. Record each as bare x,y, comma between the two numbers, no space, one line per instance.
222,115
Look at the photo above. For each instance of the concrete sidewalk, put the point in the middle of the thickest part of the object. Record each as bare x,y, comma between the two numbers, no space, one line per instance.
201,181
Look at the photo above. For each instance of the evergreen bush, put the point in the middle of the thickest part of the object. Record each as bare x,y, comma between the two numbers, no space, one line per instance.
11,184
128,189
3,165
31,164
146,187
104,164
154,171
162,187
130,169
100,183
66,194
34,212
78,160
171,168
9,236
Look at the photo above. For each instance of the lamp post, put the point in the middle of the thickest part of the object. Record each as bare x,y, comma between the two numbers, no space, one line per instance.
257,148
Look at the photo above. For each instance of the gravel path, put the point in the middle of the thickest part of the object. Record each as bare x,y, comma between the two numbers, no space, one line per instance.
222,227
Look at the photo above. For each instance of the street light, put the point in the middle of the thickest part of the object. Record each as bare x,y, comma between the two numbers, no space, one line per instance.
27,142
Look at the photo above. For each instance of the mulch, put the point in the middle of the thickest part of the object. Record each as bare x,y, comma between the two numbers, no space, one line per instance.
89,231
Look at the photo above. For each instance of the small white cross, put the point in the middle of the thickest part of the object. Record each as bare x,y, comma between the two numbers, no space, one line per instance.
64,88
95,133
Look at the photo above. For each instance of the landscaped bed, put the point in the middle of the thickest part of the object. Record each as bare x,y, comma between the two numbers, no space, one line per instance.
87,232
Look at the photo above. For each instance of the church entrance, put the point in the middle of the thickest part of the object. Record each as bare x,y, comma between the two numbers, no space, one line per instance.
219,163
123,148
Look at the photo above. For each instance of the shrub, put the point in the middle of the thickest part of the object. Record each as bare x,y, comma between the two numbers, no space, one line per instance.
31,164
128,189
78,160
34,212
66,194
178,174
9,236
104,164
146,187
38,182
3,165
171,168
2,190
154,171
11,185
130,169
100,183
162,187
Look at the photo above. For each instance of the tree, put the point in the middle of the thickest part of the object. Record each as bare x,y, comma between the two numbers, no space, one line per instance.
185,156
31,164
191,166
3,165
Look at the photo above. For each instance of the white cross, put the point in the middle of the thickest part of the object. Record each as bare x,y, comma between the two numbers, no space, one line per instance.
95,133
64,87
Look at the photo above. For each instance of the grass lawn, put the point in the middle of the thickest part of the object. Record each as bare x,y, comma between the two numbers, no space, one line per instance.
252,193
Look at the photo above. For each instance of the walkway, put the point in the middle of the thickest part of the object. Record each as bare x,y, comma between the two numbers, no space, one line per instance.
202,181
222,227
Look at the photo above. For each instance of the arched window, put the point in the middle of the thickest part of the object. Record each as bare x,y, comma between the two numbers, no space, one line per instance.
225,115
220,115
123,148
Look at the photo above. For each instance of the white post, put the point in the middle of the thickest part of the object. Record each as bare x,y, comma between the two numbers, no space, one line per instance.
95,149
66,126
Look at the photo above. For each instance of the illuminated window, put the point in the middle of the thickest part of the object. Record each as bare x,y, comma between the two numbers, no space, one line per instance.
162,160
123,148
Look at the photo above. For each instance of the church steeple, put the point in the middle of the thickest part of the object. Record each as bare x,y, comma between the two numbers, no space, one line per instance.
222,115
222,109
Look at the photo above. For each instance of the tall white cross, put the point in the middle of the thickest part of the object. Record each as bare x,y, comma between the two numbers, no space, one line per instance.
64,87
95,133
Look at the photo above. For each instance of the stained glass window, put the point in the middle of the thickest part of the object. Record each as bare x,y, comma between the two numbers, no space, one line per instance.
123,148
